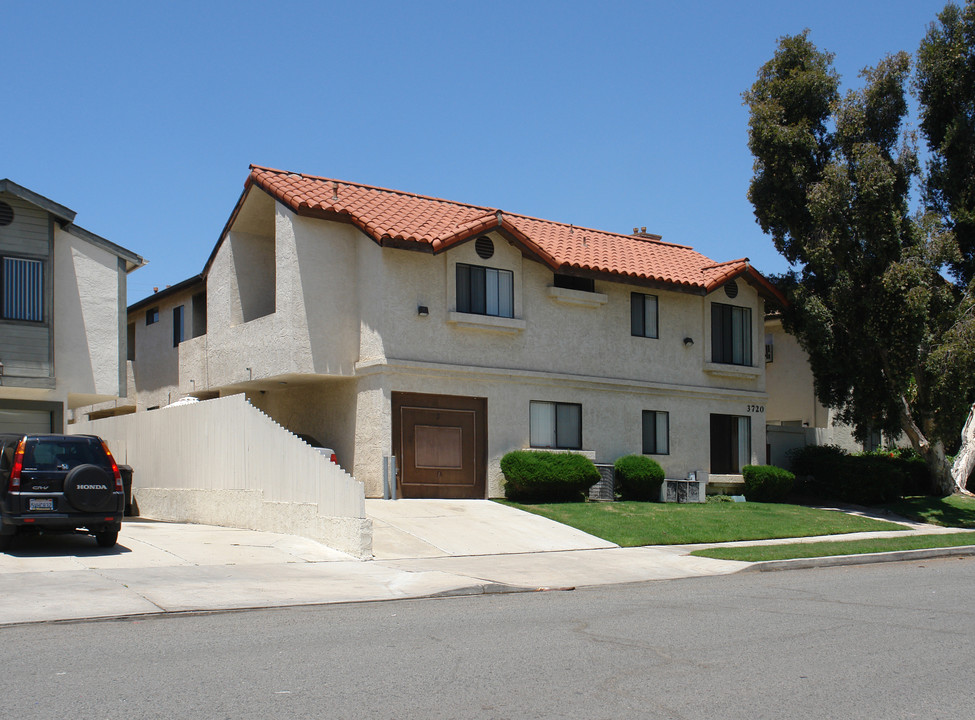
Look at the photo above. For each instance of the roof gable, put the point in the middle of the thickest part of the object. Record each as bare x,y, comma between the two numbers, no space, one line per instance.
65,217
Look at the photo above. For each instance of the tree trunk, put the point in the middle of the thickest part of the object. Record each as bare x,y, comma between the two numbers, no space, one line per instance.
942,482
965,459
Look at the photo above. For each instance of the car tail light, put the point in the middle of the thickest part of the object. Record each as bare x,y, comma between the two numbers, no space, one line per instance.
14,483
115,470
334,459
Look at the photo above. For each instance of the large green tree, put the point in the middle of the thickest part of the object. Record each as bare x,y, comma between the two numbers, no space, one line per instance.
945,84
868,302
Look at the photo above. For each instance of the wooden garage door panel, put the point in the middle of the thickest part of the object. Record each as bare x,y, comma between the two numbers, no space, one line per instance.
439,440
438,448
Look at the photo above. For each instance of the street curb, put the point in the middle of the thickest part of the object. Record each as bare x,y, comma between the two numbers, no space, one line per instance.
494,589
864,559
465,591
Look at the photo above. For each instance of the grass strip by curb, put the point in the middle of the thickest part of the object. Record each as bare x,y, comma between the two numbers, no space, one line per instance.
793,551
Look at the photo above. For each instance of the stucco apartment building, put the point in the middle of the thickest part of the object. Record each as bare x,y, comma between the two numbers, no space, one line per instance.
62,313
387,323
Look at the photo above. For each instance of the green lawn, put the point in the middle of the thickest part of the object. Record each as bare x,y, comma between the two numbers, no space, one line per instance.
953,511
633,524
790,551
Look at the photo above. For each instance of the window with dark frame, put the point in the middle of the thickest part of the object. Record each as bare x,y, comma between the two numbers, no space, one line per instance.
643,315
485,291
22,295
177,325
731,334
555,425
152,316
571,282
656,432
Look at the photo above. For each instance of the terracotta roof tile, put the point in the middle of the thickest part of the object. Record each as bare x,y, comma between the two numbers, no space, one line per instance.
390,215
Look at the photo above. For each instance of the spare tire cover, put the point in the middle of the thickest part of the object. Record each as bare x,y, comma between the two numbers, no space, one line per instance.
89,488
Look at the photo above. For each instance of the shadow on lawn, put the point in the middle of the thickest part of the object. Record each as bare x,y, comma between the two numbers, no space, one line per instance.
950,511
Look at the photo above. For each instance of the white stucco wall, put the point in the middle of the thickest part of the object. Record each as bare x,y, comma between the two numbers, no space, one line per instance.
611,415
548,332
88,307
156,369
789,380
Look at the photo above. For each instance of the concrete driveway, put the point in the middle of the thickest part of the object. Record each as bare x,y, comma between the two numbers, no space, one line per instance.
451,528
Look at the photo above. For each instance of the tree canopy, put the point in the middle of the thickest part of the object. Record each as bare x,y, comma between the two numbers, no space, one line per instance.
889,338
945,84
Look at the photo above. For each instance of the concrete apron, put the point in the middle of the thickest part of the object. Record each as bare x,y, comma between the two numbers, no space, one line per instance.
451,528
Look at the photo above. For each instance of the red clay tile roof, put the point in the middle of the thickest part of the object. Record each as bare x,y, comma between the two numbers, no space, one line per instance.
406,219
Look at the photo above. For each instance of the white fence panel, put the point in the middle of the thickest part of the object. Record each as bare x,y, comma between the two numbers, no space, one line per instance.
226,445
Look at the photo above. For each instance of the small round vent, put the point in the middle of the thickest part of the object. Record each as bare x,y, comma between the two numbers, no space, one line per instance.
731,289
6,214
484,247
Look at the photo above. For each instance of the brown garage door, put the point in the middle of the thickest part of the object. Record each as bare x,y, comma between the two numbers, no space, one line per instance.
440,445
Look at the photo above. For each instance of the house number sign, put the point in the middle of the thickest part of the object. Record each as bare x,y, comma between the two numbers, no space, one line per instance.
756,408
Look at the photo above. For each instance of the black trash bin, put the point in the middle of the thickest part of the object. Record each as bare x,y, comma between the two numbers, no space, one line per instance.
126,472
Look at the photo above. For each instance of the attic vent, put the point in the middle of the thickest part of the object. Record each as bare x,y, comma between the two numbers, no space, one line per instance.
484,247
731,289
6,214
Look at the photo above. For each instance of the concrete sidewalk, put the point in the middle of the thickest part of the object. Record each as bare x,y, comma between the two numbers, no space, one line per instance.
169,567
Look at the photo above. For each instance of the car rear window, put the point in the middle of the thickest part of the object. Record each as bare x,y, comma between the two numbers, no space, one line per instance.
63,454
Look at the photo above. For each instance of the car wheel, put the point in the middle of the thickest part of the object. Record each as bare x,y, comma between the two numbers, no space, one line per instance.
106,539
89,488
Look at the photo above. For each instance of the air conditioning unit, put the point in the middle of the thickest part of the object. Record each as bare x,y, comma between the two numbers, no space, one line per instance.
684,490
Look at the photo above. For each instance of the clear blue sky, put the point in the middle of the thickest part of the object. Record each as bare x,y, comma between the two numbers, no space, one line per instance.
144,117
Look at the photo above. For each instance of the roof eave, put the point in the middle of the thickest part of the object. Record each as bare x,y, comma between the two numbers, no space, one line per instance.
64,214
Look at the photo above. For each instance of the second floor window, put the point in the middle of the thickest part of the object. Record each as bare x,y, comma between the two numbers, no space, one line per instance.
643,315
731,334
23,289
485,291
177,325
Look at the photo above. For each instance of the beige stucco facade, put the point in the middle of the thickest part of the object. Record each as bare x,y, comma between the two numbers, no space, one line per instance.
319,325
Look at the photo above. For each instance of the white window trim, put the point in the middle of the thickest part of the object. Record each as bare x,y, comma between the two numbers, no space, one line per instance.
472,321
579,298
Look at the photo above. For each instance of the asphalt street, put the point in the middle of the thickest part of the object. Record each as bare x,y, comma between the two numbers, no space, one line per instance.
892,640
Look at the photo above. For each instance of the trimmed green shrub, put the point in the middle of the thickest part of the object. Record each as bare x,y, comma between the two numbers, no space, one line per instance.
767,483
916,479
537,476
816,460
828,473
638,477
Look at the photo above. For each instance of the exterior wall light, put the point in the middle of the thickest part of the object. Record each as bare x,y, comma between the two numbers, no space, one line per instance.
423,311
688,342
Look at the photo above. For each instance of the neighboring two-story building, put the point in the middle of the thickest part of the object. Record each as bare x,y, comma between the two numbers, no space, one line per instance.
62,313
795,417
386,323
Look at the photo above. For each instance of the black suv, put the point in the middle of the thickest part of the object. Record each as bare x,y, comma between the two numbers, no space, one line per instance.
59,483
